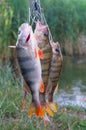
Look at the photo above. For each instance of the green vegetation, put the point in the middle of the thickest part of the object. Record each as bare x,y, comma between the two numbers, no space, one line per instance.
66,19
12,14
11,117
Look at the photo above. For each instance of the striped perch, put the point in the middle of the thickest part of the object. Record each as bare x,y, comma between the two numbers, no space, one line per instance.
28,55
55,69
42,35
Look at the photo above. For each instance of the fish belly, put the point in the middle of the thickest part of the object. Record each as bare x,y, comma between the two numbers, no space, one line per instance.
45,63
29,68
55,69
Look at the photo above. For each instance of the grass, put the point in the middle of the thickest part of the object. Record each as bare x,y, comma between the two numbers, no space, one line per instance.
11,117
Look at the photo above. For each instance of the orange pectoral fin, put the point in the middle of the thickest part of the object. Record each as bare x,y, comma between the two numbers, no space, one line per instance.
42,87
40,53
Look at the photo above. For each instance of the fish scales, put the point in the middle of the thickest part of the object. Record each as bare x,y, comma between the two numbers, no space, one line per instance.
28,66
42,35
29,61
44,45
45,63
55,69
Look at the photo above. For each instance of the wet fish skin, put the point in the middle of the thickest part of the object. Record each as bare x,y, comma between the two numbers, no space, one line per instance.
41,34
29,62
44,45
54,72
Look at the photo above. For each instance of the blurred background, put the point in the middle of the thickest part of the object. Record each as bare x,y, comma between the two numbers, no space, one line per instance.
67,23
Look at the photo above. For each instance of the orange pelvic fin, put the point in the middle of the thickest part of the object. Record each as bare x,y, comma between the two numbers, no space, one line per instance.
42,87
53,106
40,53
38,111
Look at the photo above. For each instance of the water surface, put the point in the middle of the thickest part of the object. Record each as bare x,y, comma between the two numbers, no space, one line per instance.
72,84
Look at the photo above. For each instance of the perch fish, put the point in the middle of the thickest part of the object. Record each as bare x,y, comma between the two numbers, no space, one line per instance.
28,55
41,34
54,73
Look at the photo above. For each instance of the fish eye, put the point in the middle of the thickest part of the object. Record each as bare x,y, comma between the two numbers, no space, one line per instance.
19,32
46,34
57,50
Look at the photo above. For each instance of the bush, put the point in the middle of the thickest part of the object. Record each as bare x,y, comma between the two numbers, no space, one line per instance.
12,14
66,18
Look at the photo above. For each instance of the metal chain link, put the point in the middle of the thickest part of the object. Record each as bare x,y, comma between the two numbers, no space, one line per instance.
36,13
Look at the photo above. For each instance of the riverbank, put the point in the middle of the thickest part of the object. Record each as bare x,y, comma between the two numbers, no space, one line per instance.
11,117
64,119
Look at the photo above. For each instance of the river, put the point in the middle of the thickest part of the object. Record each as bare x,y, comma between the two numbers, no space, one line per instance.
72,83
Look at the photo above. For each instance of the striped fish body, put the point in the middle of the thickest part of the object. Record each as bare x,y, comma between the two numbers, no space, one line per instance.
55,69
30,66
45,63
42,36
31,70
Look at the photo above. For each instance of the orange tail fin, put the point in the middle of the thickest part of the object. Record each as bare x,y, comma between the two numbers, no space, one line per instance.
42,87
49,110
38,111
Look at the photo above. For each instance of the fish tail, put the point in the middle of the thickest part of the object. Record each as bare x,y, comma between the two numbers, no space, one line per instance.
40,111
49,110
53,106
37,110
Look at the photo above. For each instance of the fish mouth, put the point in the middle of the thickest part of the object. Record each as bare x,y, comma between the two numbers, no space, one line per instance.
26,41
28,38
